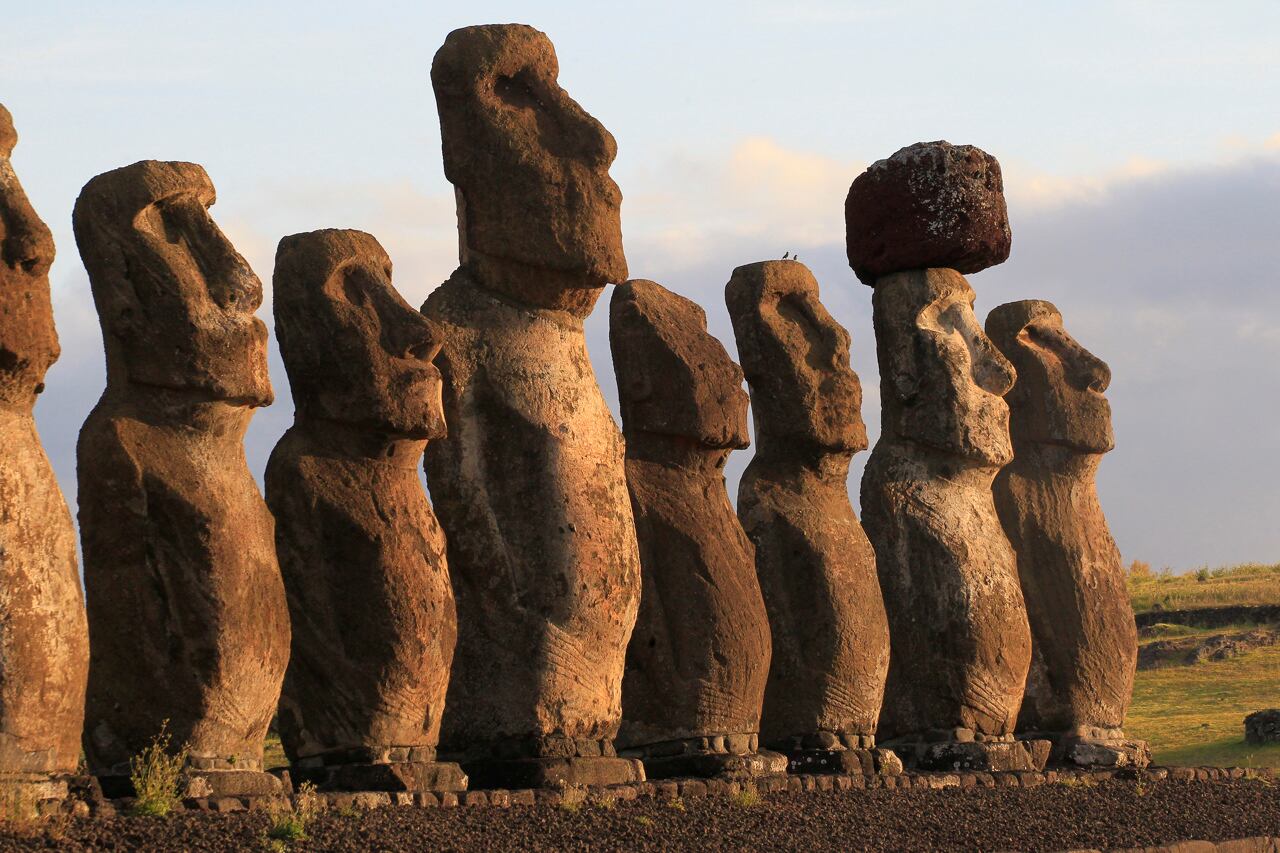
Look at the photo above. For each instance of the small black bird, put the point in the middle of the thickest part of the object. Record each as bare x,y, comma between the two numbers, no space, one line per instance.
786,254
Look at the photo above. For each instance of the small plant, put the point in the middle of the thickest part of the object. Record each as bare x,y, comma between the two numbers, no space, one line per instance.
1075,781
605,801
676,804
348,811
644,820
155,774
747,798
1202,575
290,824
571,797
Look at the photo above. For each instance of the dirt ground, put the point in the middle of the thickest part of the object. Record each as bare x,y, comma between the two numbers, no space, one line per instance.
1051,817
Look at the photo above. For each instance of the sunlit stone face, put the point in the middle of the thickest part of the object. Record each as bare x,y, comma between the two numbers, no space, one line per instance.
176,301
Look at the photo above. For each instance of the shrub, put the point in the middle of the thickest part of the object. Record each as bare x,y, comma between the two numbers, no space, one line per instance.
290,824
155,775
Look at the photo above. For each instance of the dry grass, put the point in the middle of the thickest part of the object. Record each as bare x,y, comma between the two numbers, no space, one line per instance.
155,775
1194,715
1249,583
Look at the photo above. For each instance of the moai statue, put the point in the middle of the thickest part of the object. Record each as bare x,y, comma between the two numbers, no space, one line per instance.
529,485
44,642
816,567
1085,643
187,616
961,646
362,555
699,656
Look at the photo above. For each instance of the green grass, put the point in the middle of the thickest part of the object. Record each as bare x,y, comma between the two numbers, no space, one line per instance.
1194,715
1249,583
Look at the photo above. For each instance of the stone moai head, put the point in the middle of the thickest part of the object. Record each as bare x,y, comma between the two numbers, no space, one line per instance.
175,300
674,377
942,379
796,359
530,168
932,204
1058,398
28,340
354,350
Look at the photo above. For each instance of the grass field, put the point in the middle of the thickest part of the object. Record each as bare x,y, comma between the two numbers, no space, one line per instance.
1194,715
1250,583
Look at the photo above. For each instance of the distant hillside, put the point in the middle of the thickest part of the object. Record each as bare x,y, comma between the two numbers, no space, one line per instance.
1250,583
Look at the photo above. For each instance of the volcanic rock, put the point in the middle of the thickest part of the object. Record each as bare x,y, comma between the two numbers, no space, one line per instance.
187,616
530,485
961,646
1085,643
699,656
816,566
44,642
362,554
932,204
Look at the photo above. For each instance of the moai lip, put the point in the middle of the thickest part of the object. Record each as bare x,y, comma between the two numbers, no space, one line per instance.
44,647
1085,643
530,486
361,552
816,566
187,615
699,655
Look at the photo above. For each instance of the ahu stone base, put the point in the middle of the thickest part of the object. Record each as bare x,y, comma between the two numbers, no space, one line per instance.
975,755
868,762
410,776
726,756
572,772
1092,752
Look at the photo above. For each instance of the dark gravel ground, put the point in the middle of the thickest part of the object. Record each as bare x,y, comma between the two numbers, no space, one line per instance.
1051,817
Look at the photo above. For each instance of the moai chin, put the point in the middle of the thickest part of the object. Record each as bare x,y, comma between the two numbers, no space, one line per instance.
44,643
361,552
961,646
529,486
187,615
816,566
1085,644
699,656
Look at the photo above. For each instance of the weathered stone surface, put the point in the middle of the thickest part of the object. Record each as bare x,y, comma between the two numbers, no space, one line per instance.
961,646
529,485
816,567
44,643
537,211
699,655
1085,643
932,204
1262,726
362,554
187,614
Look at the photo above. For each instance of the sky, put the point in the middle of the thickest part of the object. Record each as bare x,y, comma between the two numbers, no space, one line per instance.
1140,143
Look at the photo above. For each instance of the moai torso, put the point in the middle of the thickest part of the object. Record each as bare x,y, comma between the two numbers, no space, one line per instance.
529,485
362,555
699,656
961,646
186,608
816,566
44,644
1085,641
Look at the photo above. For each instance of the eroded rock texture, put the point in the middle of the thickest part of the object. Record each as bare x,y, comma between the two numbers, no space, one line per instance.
362,554
44,643
529,485
187,613
699,656
932,204
816,566
961,646
1085,641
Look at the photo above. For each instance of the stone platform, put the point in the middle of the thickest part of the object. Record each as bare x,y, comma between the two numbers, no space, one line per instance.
724,756
974,755
408,776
